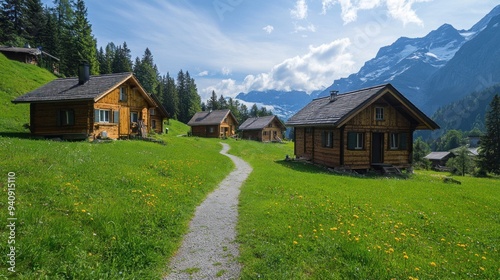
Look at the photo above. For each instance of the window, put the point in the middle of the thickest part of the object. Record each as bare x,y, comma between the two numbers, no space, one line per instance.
379,113
398,141
123,94
327,139
211,129
102,116
152,111
134,117
355,141
65,117
153,124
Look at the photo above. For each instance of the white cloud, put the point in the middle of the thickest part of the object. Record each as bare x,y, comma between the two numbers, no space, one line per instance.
301,28
402,10
269,29
315,70
300,10
225,71
398,9
203,73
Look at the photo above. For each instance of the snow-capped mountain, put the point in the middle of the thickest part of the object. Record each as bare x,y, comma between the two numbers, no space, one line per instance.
421,68
282,103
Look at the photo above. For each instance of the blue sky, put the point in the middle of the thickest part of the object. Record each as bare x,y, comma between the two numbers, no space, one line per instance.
240,45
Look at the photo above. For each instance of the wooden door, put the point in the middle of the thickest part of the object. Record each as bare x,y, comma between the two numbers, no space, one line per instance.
124,121
377,147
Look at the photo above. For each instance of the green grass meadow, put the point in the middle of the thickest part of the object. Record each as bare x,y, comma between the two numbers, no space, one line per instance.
119,210
104,211
298,221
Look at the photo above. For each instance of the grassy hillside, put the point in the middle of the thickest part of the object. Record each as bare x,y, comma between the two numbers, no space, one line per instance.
105,211
300,222
16,79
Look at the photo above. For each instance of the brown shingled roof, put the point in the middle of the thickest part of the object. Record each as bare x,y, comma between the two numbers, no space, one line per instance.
258,123
70,89
323,111
209,117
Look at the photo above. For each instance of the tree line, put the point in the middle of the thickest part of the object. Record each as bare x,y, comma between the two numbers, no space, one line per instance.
65,32
488,158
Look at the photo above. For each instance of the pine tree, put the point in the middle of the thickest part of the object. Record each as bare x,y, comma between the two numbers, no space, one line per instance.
462,162
213,103
420,150
122,61
489,148
254,111
183,97
170,97
194,97
84,45
146,72
65,18
34,17
12,22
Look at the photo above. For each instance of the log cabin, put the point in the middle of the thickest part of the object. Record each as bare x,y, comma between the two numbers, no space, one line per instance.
90,107
360,130
213,124
264,129
33,56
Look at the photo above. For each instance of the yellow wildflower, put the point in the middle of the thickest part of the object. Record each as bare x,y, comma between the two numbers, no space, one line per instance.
433,264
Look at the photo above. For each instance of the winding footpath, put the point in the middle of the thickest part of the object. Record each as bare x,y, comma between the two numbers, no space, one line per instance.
209,250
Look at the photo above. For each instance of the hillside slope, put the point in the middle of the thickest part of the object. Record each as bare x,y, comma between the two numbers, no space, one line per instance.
16,79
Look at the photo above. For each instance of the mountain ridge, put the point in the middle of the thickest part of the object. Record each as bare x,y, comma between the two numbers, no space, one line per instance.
416,66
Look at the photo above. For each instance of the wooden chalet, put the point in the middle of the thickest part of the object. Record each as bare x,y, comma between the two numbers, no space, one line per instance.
213,124
89,107
439,159
264,129
33,56
363,129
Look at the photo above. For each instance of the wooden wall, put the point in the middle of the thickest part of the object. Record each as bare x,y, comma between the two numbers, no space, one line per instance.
44,118
204,131
328,156
308,141
252,135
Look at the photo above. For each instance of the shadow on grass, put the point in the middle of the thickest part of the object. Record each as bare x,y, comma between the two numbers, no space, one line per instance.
21,135
308,167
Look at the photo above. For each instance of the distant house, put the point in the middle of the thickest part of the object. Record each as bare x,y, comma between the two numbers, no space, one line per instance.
264,129
33,56
89,107
363,129
213,124
439,159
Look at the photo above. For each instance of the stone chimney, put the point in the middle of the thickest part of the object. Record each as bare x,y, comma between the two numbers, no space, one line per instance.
333,95
83,72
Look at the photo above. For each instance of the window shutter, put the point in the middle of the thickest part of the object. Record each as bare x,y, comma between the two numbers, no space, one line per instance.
58,118
351,140
71,116
96,115
323,138
116,116
403,141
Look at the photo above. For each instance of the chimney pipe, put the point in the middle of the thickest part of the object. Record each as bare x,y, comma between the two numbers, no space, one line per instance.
333,95
83,72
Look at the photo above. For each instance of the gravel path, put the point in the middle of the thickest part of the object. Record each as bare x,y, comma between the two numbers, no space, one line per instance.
209,250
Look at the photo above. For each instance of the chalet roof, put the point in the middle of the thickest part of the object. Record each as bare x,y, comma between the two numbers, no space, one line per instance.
210,117
258,123
32,51
69,89
323,111
438,155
